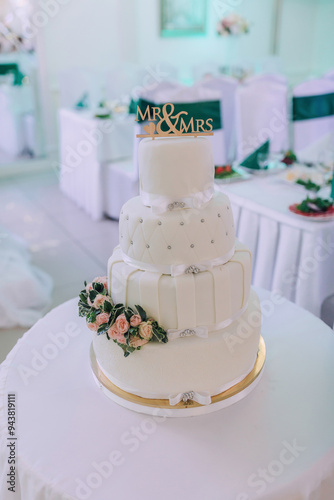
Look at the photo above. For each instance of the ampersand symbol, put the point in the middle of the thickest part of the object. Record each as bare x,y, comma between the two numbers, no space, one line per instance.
167,117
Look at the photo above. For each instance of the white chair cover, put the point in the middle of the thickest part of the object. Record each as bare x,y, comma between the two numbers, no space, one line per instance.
15,102
312,136
227,87
329,75
75,83
11,137
262,114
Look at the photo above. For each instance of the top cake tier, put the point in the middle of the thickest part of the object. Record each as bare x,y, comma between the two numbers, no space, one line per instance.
176,172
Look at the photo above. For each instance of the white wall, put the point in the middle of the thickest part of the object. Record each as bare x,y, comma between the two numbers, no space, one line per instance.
104,33
323,54
84,34
188,51
296,38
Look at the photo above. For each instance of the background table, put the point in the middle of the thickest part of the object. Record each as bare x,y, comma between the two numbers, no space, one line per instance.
69,432
86,143
290,254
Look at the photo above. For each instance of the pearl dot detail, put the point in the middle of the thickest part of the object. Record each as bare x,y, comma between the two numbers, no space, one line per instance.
192,245
169,247
212,241
202,220
182,223
147,246
159,223
141,220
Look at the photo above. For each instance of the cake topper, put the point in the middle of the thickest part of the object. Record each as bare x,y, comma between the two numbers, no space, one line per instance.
167,124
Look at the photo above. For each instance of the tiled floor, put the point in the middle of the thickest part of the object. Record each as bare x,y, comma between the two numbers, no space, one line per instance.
63,240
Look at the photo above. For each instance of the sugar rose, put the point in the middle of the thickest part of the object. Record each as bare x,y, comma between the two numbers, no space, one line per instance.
98,301
93,326
113,332
145,330
135,320
102,318
115,335
137,341
121,339
122,324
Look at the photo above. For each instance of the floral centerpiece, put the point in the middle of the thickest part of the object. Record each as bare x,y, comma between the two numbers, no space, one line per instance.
129,327
233,24
314,205
289,157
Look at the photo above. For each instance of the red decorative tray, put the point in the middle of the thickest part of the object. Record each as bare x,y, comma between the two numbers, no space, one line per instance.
329,214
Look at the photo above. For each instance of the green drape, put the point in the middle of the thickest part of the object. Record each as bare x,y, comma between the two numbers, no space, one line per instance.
314,106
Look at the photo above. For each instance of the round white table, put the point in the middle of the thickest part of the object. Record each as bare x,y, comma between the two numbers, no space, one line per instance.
291,254
74,443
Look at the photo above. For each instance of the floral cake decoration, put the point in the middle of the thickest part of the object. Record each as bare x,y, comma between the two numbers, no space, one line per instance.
130,328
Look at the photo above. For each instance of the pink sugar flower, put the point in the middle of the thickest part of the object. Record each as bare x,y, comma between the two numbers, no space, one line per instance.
122,324
102,318
135,320
99,301
137,341
115,335
145,330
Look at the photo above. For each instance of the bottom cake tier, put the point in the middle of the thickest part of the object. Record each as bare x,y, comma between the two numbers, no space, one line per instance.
186,365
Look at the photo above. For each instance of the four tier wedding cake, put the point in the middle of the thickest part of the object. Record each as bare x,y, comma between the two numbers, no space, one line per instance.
179,276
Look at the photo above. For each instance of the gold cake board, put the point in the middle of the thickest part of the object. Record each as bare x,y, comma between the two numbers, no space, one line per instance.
161,407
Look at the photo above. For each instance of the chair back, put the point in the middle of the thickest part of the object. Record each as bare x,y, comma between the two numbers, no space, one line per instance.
313,119
261,114
227,87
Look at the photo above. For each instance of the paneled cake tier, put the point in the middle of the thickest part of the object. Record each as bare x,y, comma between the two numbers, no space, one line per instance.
211,365
208,298
175,169
186,236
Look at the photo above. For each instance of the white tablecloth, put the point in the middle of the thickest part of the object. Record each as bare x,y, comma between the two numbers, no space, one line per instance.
276,444
291,254
87,143
15,103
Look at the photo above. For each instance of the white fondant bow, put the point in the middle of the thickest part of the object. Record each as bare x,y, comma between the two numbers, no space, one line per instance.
203,398
178,269
201,331
161,204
